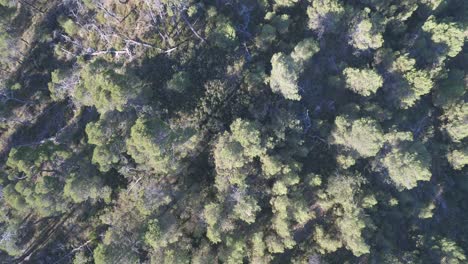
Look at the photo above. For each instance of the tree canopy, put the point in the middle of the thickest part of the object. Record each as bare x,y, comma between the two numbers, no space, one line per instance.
269,131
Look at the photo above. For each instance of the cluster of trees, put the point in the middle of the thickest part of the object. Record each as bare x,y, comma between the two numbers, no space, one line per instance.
271,131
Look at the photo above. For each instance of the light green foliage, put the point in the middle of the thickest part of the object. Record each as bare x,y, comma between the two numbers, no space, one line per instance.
86,187
414,83
281,221
450,35
81,258
62,84
270,131
345,161
228,154
234,151
248,135
246,208
280,188
212,213
301,212
304,50
365,82
420,82
364,36
284,76
68,26
274,244
394,137
393,202
344,191
44,197
235,248
102,155
314,180
326,242
258,245
369,201
455,123
153,234
23,160
427,211
325,15
230,163
458,158
31,160
126,225
285,3
403,63
7,3
449,251
107,134
433,4
287,213
8,240
153,144
395,13
271,165
47,199
150,144
407,163
105,88
281,226
351,227
286,68
363,136
13,198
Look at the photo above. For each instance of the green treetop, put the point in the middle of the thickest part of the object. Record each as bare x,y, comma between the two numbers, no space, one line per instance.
32,160
105,88
344,191
285,3
412,83
286,69
81,188
108,135
455,122
449,35
234,152
407,163
361,138
304,50
458,158
325,15
284,76
363,36
362,81
153,144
